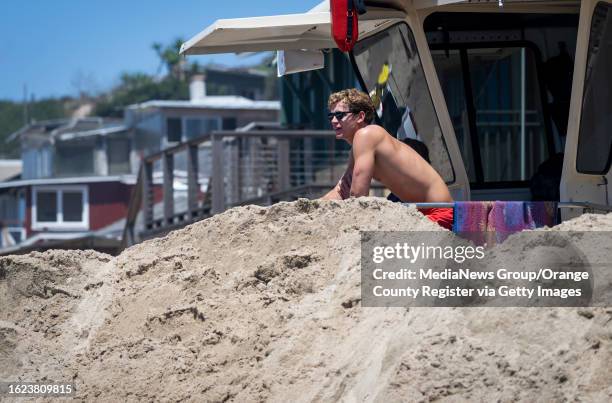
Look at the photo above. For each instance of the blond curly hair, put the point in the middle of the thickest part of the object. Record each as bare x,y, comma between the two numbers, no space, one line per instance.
356,100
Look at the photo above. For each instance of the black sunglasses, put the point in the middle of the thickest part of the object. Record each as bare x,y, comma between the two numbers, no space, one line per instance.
339,115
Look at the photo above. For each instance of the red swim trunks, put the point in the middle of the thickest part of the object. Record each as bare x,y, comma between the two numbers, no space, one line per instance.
442,216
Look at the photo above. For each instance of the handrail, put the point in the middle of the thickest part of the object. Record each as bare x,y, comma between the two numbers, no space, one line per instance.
231,133
278,173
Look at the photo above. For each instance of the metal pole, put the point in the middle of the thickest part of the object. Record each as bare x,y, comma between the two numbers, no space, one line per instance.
148,193
217,188
234,170
168,188
193,187
523,139
283,165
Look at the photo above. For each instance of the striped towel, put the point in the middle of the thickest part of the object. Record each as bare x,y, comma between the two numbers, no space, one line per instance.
492,222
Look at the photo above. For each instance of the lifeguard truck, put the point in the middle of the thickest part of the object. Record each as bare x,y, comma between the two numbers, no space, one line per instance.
512,98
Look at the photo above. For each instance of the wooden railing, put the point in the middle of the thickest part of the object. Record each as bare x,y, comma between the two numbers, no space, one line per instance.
234,168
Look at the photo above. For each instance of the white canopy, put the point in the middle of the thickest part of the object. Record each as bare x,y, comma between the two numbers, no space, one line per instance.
310,30
294,31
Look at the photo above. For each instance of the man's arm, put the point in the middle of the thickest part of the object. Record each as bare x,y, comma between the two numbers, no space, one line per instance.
364,146
342,190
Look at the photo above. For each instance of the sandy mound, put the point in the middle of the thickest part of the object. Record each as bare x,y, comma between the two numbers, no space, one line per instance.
264,304
587,222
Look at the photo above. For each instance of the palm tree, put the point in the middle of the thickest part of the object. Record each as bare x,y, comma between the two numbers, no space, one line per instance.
169,56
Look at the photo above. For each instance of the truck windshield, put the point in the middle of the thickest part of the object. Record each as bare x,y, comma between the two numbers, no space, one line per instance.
390,70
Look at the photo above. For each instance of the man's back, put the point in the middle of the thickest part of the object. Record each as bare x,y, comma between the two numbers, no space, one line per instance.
397,166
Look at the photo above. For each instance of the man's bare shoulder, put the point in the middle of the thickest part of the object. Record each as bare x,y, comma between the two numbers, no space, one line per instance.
370,134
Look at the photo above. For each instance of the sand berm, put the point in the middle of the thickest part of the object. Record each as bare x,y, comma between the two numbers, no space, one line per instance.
263,304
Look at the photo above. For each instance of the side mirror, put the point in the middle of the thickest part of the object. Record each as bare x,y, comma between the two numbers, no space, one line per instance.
295,61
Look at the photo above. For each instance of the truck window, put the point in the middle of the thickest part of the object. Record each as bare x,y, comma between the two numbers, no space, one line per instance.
507,81
594,152
390,70
495,103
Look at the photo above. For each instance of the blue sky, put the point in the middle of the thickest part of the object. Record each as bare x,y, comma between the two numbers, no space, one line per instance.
50,45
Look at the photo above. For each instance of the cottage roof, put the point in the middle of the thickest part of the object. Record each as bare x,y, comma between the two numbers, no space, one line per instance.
212,102
127,179
67,127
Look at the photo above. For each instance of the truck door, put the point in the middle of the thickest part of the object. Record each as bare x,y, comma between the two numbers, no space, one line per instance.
390,69
588,152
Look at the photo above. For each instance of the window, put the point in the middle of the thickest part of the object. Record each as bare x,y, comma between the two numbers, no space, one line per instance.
212,124
118,151
391,71
494,101
46,203
229,123
74,158
595,140
174,128
36,163
60,207
72,206
193,128
183,129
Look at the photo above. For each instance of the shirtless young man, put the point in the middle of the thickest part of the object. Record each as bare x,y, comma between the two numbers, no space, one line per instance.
375,154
